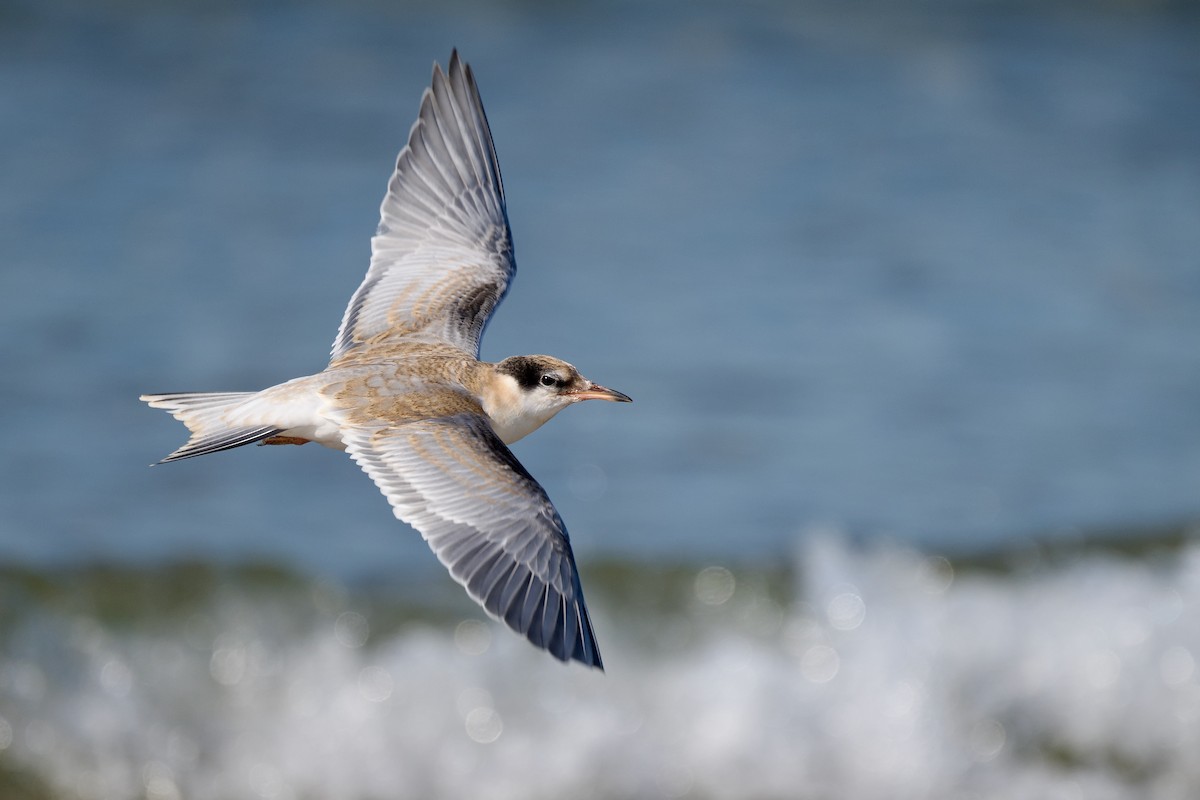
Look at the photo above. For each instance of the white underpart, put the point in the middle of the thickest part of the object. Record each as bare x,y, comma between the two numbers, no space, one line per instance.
515,413
298,409
324,432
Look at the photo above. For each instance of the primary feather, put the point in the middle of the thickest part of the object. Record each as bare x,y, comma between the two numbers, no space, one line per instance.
442,257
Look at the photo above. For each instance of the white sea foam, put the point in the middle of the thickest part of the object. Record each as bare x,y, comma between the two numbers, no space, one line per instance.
889,676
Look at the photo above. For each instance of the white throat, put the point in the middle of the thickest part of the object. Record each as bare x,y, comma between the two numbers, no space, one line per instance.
515,414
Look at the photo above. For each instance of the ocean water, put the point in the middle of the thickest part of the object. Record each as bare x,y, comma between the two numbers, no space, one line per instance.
848,673
907,296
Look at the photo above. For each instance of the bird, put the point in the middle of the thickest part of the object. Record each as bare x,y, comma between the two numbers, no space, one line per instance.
407,397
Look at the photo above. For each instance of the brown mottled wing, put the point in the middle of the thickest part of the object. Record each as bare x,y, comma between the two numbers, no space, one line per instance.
487,520
442,257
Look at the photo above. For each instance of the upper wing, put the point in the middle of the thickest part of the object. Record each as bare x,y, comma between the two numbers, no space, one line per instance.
487,519
442,258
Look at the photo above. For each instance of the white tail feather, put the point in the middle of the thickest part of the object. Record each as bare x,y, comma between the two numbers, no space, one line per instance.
208,416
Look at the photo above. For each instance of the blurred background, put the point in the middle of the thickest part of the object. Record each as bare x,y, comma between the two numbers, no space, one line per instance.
907,296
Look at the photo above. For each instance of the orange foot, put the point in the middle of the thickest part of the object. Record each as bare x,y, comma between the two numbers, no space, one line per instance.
285,440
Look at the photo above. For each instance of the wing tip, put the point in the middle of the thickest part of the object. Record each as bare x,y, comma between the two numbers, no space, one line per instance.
566,630
523,601
454,66
588,656
586,651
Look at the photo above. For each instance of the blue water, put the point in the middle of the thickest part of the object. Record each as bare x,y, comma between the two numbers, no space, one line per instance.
929,272
924,274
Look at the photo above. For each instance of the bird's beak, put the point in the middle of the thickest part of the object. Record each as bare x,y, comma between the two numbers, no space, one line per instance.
597,392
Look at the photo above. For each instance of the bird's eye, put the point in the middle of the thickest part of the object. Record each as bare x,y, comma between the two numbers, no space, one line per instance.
549,380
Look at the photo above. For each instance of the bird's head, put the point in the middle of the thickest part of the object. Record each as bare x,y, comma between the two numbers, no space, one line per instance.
531,389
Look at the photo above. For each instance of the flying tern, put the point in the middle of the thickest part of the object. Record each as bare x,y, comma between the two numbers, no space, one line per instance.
406,395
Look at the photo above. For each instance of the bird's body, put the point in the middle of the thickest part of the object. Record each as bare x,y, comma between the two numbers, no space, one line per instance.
406,395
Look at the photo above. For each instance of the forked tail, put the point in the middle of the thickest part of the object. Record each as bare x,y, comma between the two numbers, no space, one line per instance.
207,416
